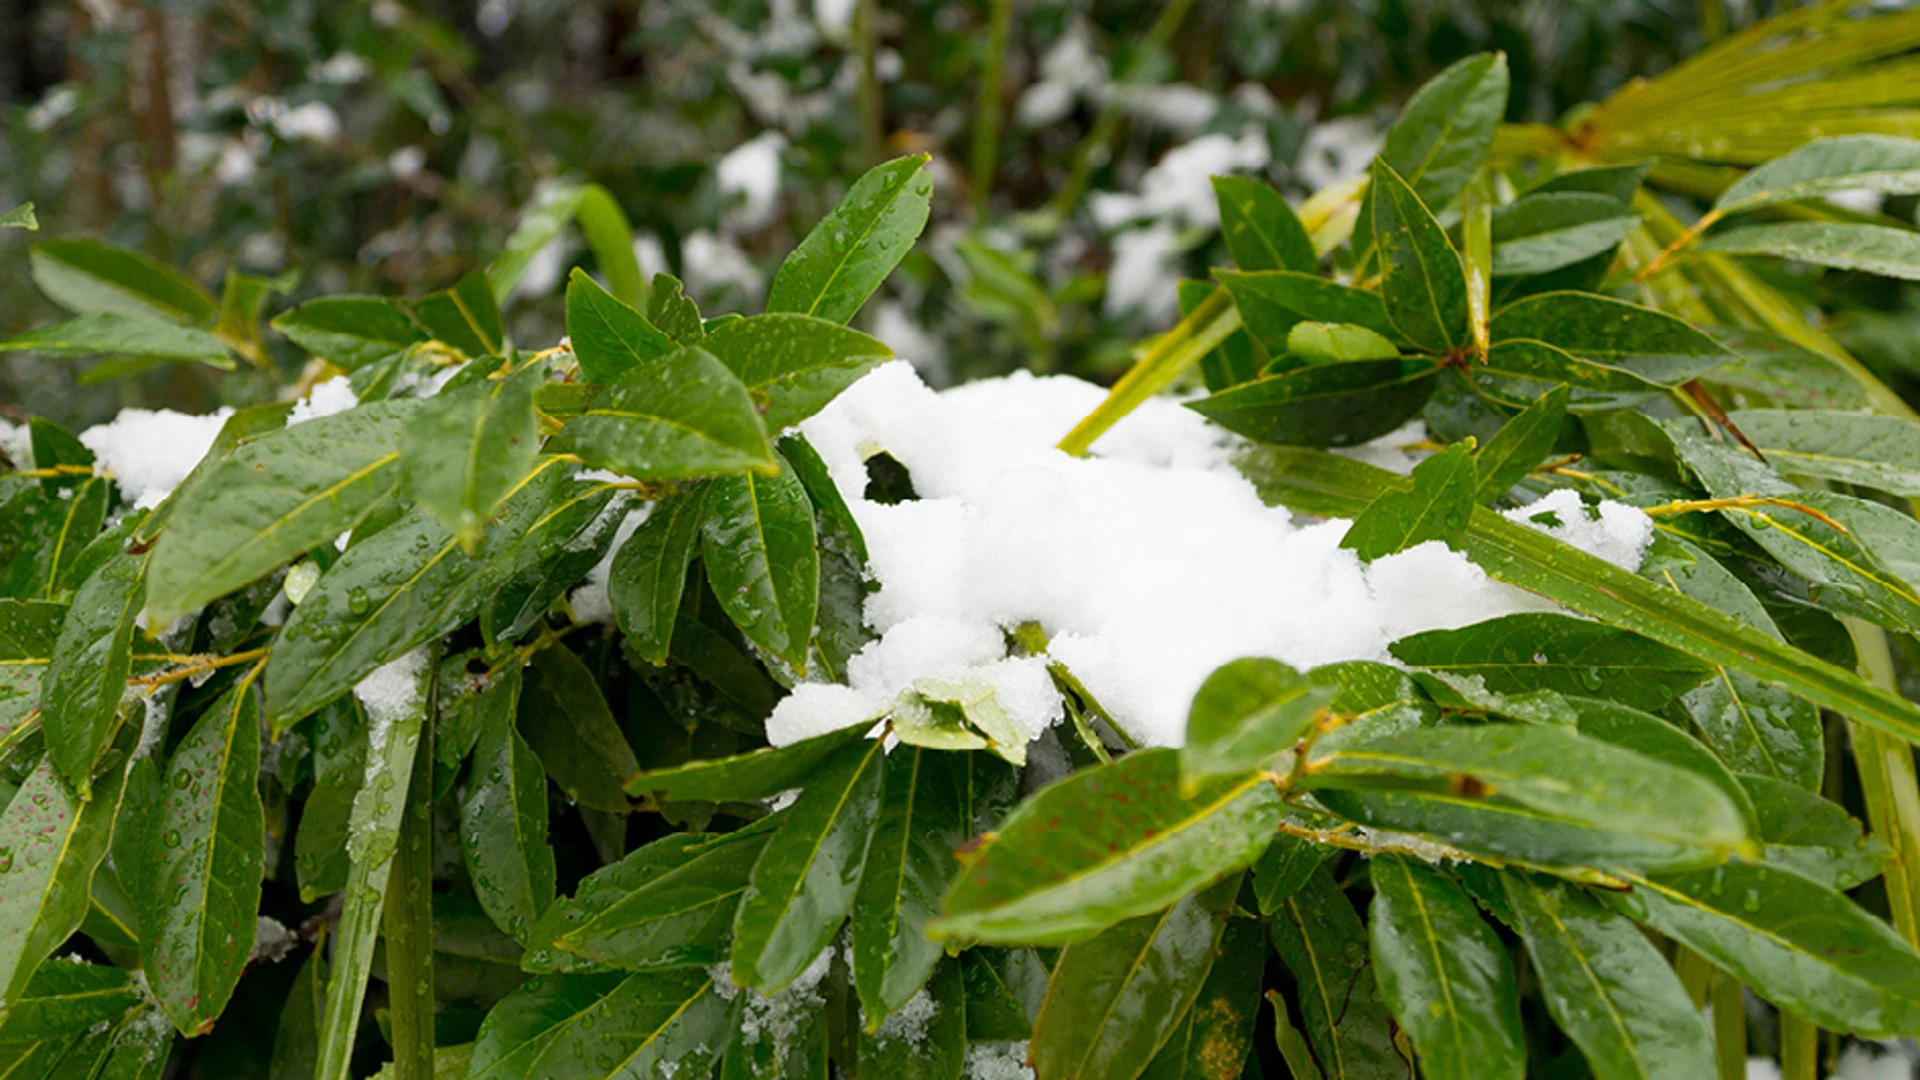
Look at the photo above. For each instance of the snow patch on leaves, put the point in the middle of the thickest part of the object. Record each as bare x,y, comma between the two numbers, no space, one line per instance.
325,399
1609,530
150,451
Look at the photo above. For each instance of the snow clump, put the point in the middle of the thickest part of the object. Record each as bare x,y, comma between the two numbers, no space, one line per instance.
150,451
325,399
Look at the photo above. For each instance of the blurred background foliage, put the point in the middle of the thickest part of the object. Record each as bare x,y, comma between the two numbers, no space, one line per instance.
388,147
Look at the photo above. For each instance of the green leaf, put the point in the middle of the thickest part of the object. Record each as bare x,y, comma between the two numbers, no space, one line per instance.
841,629
669,904
600,219
1443,973
1262,232
758,774
1880,452
296,1041
87,277
1324,404
466,448
574,539
351,332
1106,844
271,498
20,217
914,1047
1796,942
49,538
29,630
503,823
1872,162
1272,301
649,572
197,925
1005,989
674,314
683,415
1518,654
1875,249
853,249
1773,372
602,1027
793,365
1328,343
1216,1035
1284,868
609,338
1811,836
1321,941
320,848
84,681
1542,232
466,316
757,541
1567,799
122,335
1444,489
1603,348
923,819
1422,282
1114,999
564,717
61,999
1608,987
1447,128
1631,729
1247,712
805,879
243,426
1520,445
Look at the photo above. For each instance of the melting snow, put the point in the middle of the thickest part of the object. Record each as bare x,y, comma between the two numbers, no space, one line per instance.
150,451
997,1061
390,693
325,399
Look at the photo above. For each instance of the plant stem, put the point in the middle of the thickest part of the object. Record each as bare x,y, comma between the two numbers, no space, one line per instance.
1729,1027
408,925
1177,350
986,112
1695,973
1799,1048
1888,786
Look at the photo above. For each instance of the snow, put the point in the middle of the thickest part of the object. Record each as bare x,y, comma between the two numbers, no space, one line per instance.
314,120
1144,272
389,694
714,262
1180,186
1879,1060
997,1061
1337,150
150,451
778,1018
1613,531
910,341
1148,565
1759,1068
325,399
16,442
1069,69
909,1022
751,173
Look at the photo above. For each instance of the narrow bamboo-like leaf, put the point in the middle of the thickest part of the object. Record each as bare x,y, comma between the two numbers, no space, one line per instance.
1320,939
853,249
1608,987
669,904
1875,249
1115,998
1520,445
1437,508
1324,404
1881,452
682,415
566,721
1811,836
1262,232
503,828
1543,232
88,277
1214,1038
1797,943
198,923
1443,973
466,316
351,332
793,364
923,819
806,877
1516,654
1422,282
466,448
121,335
1272,302
1332,343
609,338
758,544
1851,162
757,774
1248,711
62,999
406,921
1133,845
272,498
913,1045
604,1027
84,681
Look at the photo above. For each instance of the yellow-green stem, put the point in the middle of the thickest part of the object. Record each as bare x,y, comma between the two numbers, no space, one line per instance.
1799,1048
1695,973
1889,787
1177,350
1729,1027
986,113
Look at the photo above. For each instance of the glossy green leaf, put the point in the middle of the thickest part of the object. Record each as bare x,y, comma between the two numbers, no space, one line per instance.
1881,452
757,774
912,1046
853,249
40,555
29,630
1772,372
565,719
669,904
1608,986
1215,1036
1516,654
1422,282
88,277
1811,836
1284,868
1331,343
1437,508
198,923
1520,445
1824,166
1106,844
601,221
466,316
466,448
1875,249
1324,404
1608,350
1322,942
924,818
649,573
62,999
1005,989
683,415
1247,712
673,313
1115,998
320,849
609,338
840,629
1443,973
121,335
242,427
575,535
604,1027
1542,232
503,826
1262,232
1642,733
804,882
80,696
1271,302
791,364
758,545
351,332
296,1041
1447,127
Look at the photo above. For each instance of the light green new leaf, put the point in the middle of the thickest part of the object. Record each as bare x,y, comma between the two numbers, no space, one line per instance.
1850,162
1543,232
924,817
1248,711
351,332
805,879
1444,974
757,774
601,220
503,825
1608,986
1520,445
609,338
649,573
84,681
1444,490
680,416
122,335
564,717
20,217
1114,999
466,316
466,448
87,277
604,1027
791,364
1321,940
1880,452
669,904
1215,1037
1262,232
758,545
1876,249
1330,343
853,249
1422,281
1106,844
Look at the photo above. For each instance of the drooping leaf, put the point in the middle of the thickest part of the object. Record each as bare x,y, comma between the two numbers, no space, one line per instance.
465,316
1248,711
1520,445
242,427
853,249
609,338
1542,232
122,335
649,572
1320,939
923,819
565,719
87,277
669,904
791,364
758,545
1103,845
1850,162
503,824
1214,1038
351,332
680,416
1642,733
1324,404
1422,282
1262,232
466,448
603,1027
1443,973
84,682
757,774
1875,249
1443,495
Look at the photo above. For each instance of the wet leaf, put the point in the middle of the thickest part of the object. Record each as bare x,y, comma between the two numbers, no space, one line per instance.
609,338
1422,282
599,1027
84,681
669,904
351,332
1447,127
1541,232
853,249
1874,249
466,316
1821,167
565,719
923,819
757,774
122,335
62,999
1324,404
1437,508
1520,445
1213,1039
467,448
1881,452
1811,836
1332,343
503,823
1271,302
649,572
1516,654
757,541
793,365
1320,939
680,416
911,1046
1247,712
1262,232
